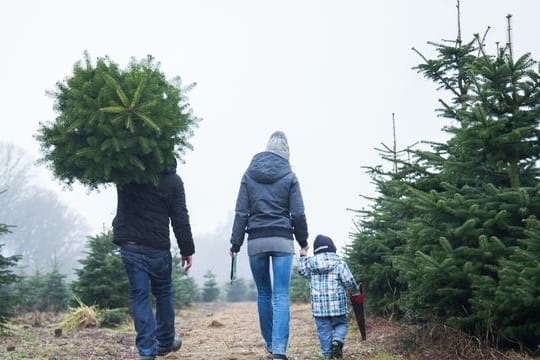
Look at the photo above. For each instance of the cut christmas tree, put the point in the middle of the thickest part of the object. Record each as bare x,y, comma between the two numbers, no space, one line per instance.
116,125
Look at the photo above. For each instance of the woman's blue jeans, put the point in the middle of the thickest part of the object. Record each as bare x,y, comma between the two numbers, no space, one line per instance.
273,297
330,328
149,271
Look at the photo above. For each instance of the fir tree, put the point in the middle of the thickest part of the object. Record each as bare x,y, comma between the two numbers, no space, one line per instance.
7,277
299,287
470,225
102,280
370,254
56,293
508,304
44,292
453,229
116,125
28,291
236,291
210,290
184,287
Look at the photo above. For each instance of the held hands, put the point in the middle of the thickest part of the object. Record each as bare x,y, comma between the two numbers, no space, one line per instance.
187,261
304,251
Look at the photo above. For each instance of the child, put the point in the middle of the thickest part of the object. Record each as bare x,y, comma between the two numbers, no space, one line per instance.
329,278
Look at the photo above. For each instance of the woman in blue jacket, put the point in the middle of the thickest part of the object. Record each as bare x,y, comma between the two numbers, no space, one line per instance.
270,209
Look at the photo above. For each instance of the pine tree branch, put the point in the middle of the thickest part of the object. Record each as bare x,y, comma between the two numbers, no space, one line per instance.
437,75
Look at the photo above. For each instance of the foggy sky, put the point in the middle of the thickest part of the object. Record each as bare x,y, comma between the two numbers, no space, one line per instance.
328,73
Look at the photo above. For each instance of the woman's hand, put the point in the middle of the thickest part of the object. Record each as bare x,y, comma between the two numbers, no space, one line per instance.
304,251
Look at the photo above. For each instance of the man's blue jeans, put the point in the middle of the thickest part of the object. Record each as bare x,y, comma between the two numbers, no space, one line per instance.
273,297
331,328
149,271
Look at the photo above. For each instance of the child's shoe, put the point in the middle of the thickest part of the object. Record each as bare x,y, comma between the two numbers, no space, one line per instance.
337,349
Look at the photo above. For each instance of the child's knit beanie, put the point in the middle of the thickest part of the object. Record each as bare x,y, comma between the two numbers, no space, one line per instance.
323,244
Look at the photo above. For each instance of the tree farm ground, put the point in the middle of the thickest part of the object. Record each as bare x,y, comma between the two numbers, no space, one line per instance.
230,331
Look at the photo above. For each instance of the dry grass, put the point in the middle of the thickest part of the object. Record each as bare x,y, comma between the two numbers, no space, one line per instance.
442,342
82,317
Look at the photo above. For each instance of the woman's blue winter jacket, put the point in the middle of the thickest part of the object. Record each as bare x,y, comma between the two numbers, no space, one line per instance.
269,202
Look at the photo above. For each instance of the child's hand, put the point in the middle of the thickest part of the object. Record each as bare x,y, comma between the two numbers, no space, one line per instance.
304,251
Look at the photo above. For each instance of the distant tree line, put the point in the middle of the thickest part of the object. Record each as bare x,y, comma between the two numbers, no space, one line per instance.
245,290
48,292
453,235
100,281
45,231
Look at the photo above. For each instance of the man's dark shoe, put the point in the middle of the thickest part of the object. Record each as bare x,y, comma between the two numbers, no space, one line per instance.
337,349
176,345
280,357
146,357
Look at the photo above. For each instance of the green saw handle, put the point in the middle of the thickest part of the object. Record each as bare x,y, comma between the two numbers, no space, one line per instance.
233,266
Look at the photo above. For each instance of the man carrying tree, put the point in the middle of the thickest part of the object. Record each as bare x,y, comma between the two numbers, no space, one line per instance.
141,228
127,127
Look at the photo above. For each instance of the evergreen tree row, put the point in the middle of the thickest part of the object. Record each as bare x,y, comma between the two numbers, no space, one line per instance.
236,291
242,290
48,292
102,280
453,235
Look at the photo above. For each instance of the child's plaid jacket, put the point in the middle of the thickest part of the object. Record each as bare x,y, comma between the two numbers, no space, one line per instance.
329,277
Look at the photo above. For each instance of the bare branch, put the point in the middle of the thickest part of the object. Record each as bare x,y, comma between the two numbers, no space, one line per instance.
481,43
458,40
509,30
434,43
395,143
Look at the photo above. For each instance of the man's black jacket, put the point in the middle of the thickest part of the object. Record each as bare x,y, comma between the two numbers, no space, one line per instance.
144,210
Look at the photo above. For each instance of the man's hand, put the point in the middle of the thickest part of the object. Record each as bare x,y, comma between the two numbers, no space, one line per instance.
187,261
304,251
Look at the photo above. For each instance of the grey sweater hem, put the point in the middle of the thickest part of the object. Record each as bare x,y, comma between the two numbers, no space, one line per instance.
270,244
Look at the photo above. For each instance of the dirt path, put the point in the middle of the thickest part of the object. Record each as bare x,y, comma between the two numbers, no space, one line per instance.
228,331
231,331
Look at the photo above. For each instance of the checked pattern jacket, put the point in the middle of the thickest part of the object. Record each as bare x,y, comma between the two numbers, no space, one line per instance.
330,278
